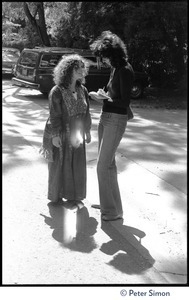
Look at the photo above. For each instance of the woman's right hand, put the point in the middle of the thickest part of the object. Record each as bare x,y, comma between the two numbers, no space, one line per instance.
56,141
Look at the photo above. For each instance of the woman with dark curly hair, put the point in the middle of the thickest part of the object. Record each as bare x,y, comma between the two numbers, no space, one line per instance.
66,131
109,48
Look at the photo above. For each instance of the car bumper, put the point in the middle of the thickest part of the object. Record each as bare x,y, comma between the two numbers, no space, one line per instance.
7,71
24,83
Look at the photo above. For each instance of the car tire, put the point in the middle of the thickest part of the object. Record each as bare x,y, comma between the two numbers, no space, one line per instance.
45,94
137,90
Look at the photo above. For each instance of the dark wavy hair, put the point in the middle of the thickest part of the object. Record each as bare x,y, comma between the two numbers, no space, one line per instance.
109,45
63,72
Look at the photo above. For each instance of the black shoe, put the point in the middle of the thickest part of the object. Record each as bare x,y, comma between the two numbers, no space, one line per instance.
95,206
70,204
56,203
111,218
79,204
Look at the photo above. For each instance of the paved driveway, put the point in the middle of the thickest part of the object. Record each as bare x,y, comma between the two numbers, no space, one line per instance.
150,247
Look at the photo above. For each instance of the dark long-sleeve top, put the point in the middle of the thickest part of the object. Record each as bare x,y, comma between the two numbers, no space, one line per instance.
119,88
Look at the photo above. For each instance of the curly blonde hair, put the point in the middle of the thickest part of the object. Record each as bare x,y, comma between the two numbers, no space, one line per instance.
63,72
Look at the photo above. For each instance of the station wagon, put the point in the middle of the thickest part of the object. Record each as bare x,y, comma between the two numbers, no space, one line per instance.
35,66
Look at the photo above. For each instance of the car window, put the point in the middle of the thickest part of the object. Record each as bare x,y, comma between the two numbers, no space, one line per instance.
28,59
92,63
49,60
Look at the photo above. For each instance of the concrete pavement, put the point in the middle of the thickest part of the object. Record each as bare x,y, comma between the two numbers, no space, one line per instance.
48,245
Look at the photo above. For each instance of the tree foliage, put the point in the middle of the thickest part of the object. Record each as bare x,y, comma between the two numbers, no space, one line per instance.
32,15
155,32
157,35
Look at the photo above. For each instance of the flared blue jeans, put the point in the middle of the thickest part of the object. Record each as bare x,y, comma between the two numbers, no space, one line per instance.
110,132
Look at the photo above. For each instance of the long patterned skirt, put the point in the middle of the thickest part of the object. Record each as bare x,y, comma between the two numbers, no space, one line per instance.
67,176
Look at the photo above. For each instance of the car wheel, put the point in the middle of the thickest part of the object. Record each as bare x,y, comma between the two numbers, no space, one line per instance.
45,94
137,90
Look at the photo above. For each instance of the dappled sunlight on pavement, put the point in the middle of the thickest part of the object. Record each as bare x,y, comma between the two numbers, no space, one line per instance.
54,245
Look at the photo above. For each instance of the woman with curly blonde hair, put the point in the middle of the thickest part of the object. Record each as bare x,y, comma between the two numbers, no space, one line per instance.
66,131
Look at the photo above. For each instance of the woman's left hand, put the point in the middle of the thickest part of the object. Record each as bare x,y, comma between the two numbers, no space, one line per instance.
88,138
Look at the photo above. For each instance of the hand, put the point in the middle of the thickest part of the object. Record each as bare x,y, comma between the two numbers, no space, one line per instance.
56,141
88,137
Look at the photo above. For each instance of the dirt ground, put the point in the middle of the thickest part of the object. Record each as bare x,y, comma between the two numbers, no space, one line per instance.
154,97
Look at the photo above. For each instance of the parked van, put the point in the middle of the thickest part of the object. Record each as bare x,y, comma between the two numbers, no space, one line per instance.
35,66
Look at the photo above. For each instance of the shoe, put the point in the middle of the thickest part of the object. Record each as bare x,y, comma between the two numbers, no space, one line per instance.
55,203
96,206
73,205
113,218
70,205
79,204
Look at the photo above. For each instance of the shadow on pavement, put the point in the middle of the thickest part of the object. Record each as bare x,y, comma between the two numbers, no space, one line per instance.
136,258
72,229
13,145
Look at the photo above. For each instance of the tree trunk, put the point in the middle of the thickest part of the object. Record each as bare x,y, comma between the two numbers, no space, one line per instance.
39,26
42,25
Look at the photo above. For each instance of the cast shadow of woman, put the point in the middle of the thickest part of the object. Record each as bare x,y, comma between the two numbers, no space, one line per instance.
136,258
72,229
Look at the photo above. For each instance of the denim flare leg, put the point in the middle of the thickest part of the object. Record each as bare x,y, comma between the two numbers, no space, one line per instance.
110,132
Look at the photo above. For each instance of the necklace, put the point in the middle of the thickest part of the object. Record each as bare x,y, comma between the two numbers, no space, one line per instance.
75,95
72,88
